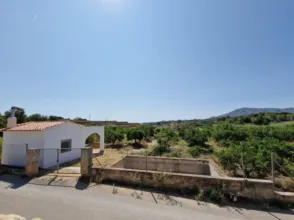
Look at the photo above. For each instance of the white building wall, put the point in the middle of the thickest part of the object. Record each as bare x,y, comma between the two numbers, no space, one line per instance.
98,130
49,140
13,149
52,140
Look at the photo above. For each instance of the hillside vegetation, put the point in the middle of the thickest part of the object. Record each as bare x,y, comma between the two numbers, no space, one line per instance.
226,140
250,111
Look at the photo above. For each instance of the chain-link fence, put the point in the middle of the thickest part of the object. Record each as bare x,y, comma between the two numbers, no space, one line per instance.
272,169
57,158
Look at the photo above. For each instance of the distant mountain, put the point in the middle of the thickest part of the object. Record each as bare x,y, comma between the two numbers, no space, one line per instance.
250,111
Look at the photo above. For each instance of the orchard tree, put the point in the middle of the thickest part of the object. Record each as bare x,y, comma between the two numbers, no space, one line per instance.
37,117
135,134
19,114
112,134
2,121
55,118
196,137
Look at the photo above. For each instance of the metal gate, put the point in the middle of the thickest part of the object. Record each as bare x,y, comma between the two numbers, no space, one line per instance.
57,160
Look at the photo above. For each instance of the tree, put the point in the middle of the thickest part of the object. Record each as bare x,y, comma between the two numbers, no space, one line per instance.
93,138
256,155
19,114
79,119
147,130
2,121
113,134
159,150
169,135
37,117
196,136
135,134
55,118
194,151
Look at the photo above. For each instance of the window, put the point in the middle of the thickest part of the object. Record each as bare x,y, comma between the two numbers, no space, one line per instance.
65,146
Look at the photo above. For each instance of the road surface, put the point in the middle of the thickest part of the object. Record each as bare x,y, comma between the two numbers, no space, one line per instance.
74,201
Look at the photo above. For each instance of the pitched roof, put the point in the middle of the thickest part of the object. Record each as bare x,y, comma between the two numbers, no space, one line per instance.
34,126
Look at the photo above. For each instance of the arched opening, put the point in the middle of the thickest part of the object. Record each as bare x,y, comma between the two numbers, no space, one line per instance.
93,140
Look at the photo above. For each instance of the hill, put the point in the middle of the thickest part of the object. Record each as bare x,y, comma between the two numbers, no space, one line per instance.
250,111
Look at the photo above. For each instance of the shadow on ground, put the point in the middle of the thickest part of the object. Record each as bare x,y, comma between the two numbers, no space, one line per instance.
16,182
170,197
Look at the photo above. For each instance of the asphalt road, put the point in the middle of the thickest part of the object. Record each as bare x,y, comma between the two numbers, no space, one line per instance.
67,201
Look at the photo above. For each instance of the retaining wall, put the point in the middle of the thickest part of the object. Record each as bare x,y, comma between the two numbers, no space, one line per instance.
165,164
251,188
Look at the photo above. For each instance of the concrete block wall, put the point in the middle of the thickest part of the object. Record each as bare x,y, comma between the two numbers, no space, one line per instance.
165,164
251,188
32,162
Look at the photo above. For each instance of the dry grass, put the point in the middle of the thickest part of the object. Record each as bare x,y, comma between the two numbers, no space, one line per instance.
214,144
110,157
285,183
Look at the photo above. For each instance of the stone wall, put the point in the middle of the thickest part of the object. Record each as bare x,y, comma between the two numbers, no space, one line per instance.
86,161
165,164
32,162
251,188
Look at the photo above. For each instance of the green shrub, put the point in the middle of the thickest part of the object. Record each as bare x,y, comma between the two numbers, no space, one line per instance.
174,154
167,135
196,136
194,151
215,195
256,156
159,150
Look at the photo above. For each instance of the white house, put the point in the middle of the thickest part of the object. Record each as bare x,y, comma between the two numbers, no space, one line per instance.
48,136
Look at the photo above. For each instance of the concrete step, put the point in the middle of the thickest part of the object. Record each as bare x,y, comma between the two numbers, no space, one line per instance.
285,196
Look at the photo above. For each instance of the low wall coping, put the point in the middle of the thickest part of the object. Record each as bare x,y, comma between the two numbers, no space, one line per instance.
190,175
170,158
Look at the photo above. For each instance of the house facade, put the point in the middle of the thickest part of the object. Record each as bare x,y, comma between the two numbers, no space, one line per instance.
57,140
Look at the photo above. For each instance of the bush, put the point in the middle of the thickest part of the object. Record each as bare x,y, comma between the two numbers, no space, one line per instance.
167,135
113,134
159,150
256,156
174,154
196,137
215,195
135,134
194,151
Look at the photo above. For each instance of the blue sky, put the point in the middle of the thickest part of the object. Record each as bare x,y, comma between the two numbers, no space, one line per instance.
146,60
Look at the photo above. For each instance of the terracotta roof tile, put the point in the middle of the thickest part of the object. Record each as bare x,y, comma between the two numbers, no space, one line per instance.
34,126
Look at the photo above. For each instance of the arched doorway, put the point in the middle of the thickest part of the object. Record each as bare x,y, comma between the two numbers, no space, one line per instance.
93,140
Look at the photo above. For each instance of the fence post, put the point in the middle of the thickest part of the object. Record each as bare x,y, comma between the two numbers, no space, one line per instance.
243,167
32,162
57,160
146,160
273,167
86,161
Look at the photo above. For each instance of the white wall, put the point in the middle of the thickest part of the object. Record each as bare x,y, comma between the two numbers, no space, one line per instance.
87,131
52,140
13,150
